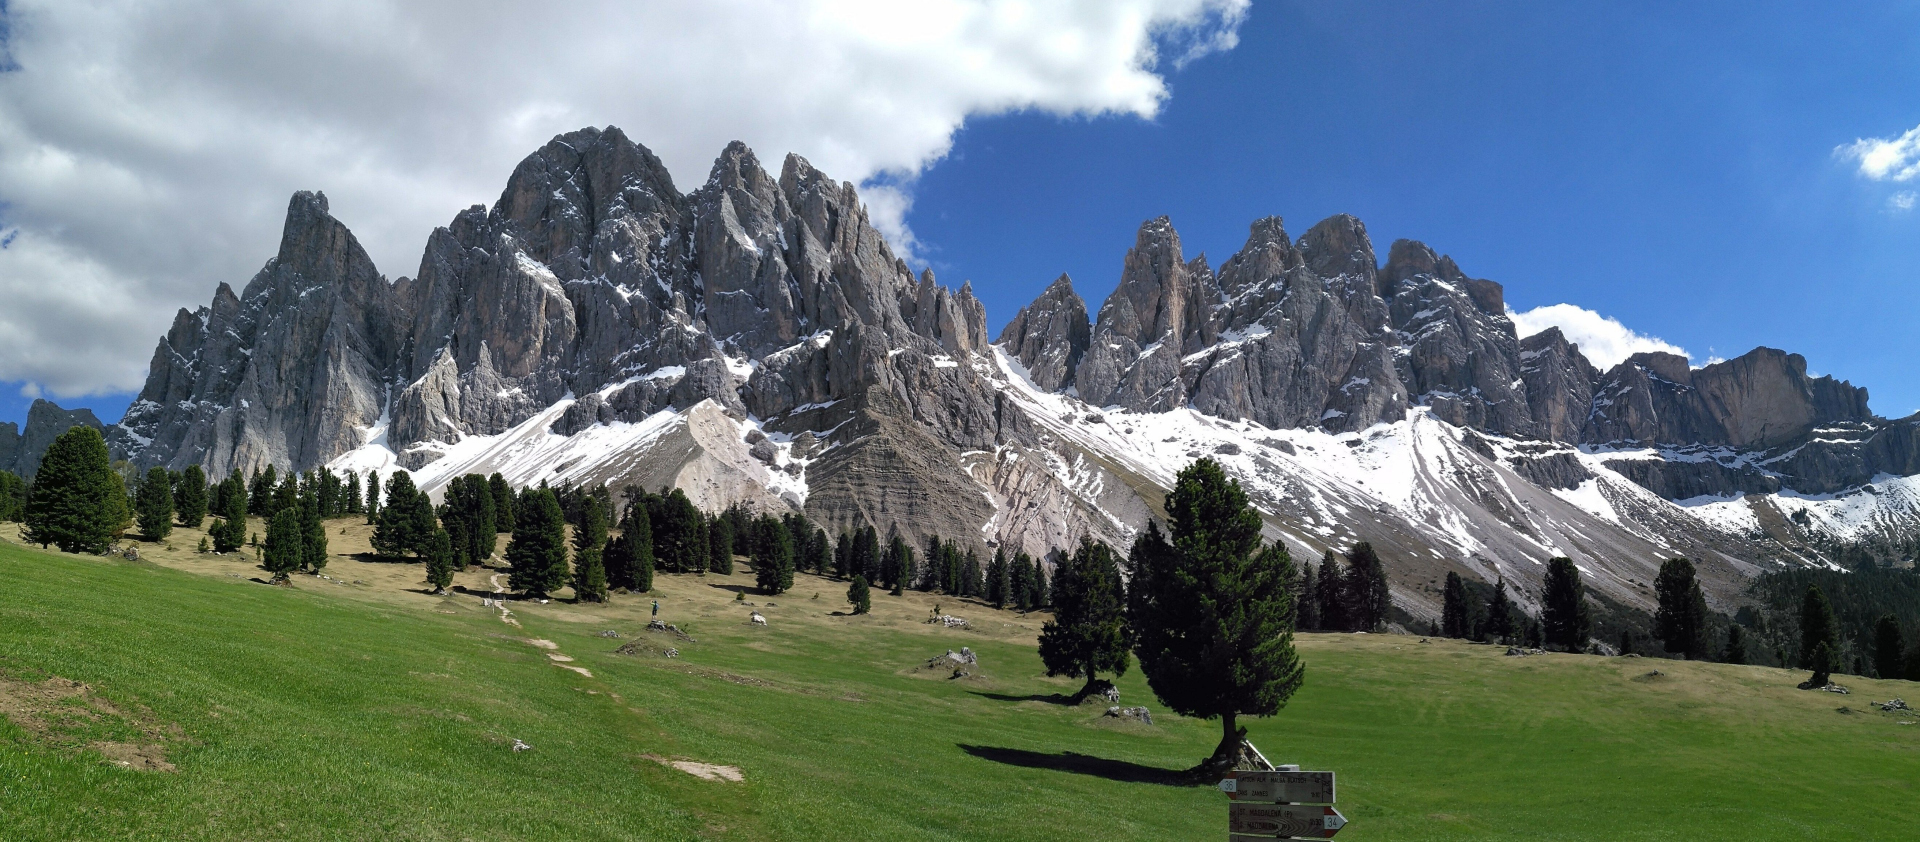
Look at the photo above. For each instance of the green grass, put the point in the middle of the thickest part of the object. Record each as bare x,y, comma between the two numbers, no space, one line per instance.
333,712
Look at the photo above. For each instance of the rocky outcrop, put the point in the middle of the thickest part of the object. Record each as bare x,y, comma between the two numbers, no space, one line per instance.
287,372
1760,399
1559,385
1460,353
1049,336
21,450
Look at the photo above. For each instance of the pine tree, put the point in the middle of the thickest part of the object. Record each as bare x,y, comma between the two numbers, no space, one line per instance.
503,508
1020,582
679,534
313,531
406,521
997,578
190,498
440,562
373,499
285,544
843,557
1368,600
773,556
1736,651
1567,621
589,567
1212,610
1913,662
638,531
1331,595
1681,619
231,531
469,516
866,553
537,555
1088,634
260,494
1818,628
1042,590
858,595
720,547
820,552
1888,648
1306,608
75,501
1822,661
1626,642
1453,608
286,495
355,504
13,497
153,505
1502,624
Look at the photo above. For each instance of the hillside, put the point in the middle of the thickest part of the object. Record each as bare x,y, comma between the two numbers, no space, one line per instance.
362,707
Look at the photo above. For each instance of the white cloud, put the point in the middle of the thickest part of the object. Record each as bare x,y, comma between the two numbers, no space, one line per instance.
147,149
1902,201
1603,340
1885,159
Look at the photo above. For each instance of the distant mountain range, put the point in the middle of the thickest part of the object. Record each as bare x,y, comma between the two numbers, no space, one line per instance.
757,341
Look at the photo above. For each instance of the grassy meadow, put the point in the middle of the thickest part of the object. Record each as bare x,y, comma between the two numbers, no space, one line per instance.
212,706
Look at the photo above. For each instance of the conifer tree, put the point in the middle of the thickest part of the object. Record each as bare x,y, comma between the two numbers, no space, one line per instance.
1503,621
1913,662
286,495
313,531
866,553
820,552
355,503
679,533
406,521
638,531
773,556
997,578
843,557
720,547
1306,607
1736,651
503,510
1567,622
1453,608
13,497
1818,628
1888,648
1681,619
1088,634
1368,601
589,568
190,498
1020,582
440,560
1330,594
285,544
537,554
858,594
153,505
1212,610
1042,590
260,494
373,498
1822,661
76,500
231,531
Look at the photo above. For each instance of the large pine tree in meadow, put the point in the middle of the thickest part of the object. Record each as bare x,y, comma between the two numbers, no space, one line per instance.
589,566
1681,619
1212,609
153,504
285,544
1088,634
537,555
190,498
76,501
1565,620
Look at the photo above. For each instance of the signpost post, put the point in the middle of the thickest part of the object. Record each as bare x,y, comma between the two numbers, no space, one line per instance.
1281,804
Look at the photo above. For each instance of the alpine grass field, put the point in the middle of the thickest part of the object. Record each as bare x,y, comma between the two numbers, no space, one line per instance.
336,709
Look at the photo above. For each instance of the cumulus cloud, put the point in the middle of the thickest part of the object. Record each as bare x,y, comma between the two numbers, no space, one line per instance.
1902,201
1885,159
1603,340
147,149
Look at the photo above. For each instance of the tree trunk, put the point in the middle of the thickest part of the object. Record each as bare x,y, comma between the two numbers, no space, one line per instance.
1225,754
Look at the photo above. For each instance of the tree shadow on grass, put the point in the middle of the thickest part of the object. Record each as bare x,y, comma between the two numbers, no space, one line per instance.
1081,764
1050,698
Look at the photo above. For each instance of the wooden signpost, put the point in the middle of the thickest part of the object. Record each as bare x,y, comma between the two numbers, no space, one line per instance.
1283,804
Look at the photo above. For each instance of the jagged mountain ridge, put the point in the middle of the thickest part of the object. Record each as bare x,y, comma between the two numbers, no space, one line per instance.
756,340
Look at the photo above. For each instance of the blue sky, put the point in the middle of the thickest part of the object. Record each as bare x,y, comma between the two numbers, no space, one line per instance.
1672,166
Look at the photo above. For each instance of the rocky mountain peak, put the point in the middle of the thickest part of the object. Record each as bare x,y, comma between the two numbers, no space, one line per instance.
1050,335
1338,246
